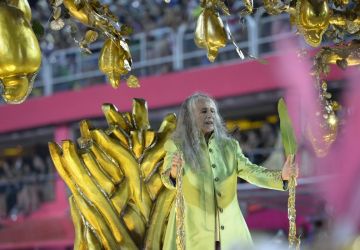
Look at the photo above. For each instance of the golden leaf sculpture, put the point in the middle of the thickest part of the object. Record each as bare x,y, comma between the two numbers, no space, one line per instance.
118,200
20,55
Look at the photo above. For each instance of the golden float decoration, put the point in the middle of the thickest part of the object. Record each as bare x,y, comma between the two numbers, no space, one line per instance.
210,32
312,20
118,200
20,55
115,58
343,55
79,10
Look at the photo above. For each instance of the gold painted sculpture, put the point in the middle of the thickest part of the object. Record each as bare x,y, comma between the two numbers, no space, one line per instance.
210,33
118,200
20,55
312,20
115,58
343,55
80,14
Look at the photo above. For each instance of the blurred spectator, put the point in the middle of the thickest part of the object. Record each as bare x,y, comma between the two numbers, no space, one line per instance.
25,182
257,143
251,143
3,188
267,139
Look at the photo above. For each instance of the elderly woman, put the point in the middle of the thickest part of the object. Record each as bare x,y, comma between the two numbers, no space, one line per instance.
211,162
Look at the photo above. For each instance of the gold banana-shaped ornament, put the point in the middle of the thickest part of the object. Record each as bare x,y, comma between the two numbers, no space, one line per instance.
115,60
210,32
118,200
20,55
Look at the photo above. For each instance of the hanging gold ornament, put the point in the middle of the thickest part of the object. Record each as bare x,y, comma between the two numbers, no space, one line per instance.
118,200
95,15
20,55
210,33
115,60
89,37
312,20
350,53
132,82
78,10
343,55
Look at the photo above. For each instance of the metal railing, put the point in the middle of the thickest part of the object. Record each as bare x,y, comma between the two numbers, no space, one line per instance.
160,51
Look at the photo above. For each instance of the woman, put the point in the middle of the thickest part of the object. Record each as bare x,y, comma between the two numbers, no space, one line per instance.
211,162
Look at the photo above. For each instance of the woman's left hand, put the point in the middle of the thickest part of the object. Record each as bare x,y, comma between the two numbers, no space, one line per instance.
289,169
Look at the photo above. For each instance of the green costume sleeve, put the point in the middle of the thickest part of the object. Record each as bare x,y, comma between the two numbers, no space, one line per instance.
170,149
258,175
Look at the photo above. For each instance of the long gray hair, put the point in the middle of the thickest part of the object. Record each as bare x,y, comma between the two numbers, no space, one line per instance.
188,133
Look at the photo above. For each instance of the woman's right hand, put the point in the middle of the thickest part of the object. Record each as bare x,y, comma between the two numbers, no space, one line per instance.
175,164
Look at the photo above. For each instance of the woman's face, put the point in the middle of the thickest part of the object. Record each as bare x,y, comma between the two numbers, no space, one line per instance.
205,115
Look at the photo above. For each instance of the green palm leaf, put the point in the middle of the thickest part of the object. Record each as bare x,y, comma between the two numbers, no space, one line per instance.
286,128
